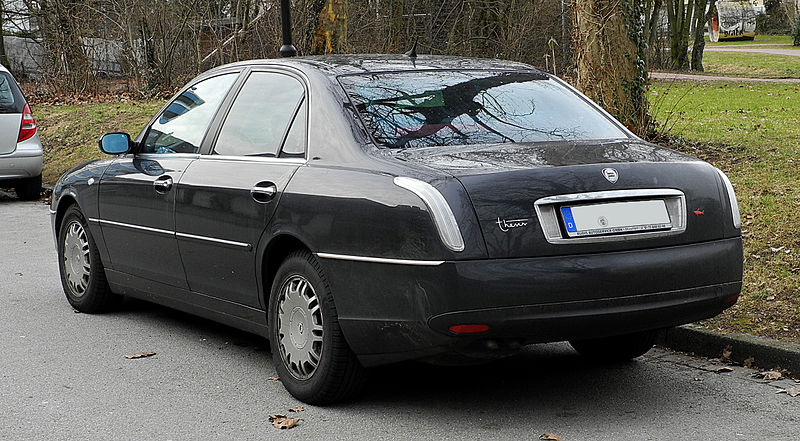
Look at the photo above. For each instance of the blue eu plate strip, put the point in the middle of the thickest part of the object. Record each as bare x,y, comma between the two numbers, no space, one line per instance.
569,222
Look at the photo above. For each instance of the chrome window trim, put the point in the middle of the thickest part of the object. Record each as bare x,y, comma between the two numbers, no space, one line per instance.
173,233
380,259
167,155
268,159
551,227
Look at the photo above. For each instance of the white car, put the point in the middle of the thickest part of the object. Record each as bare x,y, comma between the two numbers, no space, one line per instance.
20,147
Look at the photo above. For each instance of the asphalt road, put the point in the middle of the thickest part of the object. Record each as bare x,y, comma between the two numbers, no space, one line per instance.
63,376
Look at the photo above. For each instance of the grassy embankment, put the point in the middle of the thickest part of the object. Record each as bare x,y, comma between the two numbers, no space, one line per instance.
752,132
70,132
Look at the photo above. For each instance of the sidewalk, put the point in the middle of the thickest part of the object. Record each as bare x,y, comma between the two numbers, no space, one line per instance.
695,77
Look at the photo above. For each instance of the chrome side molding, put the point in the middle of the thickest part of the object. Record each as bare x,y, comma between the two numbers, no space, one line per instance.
380,259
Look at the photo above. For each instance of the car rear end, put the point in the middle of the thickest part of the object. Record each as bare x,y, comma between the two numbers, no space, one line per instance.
586,231
20,147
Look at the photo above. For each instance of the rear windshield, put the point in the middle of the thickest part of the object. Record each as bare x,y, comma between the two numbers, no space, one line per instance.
11,99
437,108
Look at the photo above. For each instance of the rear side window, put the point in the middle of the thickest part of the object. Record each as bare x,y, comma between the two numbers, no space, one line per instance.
182,125
11,99
258,122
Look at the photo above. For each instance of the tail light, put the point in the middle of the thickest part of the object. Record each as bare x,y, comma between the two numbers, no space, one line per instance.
28,126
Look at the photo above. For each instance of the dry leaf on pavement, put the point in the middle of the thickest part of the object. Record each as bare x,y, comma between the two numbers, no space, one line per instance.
140,355
792,391
726,353
283,422
274,378
769,375
296,409
551,437
724,369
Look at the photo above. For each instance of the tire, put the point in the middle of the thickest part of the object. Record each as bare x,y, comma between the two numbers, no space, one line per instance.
304,329
616,349
29,189
82,274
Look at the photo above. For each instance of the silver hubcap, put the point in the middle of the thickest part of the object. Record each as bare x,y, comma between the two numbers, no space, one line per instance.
299,327
77,262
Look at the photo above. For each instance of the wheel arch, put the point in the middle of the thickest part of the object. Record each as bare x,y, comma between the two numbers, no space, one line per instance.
64,202
275,252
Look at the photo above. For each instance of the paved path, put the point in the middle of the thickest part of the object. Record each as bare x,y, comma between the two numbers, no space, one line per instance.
757,50
63,377
695,77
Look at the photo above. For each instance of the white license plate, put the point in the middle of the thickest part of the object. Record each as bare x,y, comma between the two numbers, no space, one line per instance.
615,218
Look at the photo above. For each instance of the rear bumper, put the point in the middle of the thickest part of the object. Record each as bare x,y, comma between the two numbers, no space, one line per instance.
22,163
395,312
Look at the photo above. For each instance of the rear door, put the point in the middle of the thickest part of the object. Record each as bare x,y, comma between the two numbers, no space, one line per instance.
137,192
11,105
227,197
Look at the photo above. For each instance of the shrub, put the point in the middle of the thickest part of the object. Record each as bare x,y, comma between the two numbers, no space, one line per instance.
796,30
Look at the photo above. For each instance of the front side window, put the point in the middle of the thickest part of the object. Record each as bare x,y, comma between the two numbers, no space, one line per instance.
182,125
438,108
258,122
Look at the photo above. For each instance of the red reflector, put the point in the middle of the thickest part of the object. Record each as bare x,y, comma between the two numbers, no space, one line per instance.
468,329
732,298
28,125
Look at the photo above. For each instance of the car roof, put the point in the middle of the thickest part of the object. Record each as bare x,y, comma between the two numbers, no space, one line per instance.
335,65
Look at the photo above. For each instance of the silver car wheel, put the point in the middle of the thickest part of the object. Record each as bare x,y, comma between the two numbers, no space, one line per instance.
77,260
299,325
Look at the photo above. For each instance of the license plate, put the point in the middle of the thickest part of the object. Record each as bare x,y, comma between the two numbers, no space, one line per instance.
615,218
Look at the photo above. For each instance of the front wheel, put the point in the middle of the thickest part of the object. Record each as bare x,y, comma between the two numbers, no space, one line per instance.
312,358
82,274
617,348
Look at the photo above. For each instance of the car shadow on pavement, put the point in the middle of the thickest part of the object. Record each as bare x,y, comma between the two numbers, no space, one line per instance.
549,378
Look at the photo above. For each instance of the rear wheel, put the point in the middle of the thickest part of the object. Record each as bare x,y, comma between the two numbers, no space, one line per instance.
617,348
29,189
82,274
312,358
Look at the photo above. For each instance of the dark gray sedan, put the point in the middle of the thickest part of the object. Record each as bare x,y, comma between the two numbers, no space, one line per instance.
363,210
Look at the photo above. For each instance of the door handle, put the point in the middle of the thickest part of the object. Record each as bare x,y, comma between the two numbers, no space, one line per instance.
263,192
163,184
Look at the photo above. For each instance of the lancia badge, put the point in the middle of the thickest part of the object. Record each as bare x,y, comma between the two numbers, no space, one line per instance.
610,174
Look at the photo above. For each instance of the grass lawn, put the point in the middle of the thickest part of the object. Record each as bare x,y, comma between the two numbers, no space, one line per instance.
70,132
752,132
746,64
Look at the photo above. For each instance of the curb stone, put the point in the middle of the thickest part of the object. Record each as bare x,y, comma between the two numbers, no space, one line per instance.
766,352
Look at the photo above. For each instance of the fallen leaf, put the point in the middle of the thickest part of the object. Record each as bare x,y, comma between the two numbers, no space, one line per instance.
283,422
724,369
749,362
726,353
140,355
792,391
76,311
274,378
769,375
296,409
698,379
551,437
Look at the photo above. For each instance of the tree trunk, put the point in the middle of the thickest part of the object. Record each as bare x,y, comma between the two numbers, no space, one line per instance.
701,18
679,15
330,35
62,40
609,50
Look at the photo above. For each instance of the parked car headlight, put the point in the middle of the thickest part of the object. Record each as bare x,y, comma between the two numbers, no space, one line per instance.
737,219
439,209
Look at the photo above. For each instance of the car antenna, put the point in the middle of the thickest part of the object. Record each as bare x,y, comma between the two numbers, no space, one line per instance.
287,50
413,52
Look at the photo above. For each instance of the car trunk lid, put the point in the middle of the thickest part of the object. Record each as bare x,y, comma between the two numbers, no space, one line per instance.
505,181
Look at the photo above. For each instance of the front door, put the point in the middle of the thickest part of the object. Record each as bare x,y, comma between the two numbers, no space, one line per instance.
137,191
227,197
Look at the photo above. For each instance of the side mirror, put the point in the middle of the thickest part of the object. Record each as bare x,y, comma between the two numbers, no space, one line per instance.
115,143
